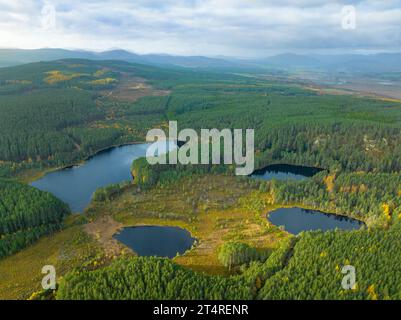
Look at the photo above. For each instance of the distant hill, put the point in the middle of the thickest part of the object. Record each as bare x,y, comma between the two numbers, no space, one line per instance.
12,57
354,63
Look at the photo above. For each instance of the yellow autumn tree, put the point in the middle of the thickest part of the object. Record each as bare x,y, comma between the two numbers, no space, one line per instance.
387,211
372,292
329,181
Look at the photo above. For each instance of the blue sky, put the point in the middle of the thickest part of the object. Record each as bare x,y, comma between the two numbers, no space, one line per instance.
242,28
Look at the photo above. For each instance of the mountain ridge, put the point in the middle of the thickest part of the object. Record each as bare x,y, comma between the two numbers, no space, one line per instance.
354,63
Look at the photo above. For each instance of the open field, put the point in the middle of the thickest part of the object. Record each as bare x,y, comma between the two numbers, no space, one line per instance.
130,89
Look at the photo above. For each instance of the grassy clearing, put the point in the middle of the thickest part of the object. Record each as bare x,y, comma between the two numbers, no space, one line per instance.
130,89
20,274
215,209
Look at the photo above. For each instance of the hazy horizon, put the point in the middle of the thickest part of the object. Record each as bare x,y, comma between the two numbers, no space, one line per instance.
212,28
208,56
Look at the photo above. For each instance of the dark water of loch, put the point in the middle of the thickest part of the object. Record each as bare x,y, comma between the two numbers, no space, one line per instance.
285,172
75,185
156,240
296,220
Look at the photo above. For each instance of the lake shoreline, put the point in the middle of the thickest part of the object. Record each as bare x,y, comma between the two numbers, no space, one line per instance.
261,171
109,166
126,236
314,211
41,173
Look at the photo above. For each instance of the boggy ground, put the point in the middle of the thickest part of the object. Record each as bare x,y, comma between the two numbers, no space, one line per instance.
215,209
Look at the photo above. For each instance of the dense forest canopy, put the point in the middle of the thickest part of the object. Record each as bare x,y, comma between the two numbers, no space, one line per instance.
27,214
149,278
55,113
305,268
314,270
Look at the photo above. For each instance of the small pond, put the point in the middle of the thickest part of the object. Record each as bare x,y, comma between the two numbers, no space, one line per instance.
296,220
157,241
285,172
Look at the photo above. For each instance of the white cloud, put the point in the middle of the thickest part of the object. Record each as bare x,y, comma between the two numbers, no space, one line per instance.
209,27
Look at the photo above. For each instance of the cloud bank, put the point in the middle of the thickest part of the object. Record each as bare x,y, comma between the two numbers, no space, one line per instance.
253,28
